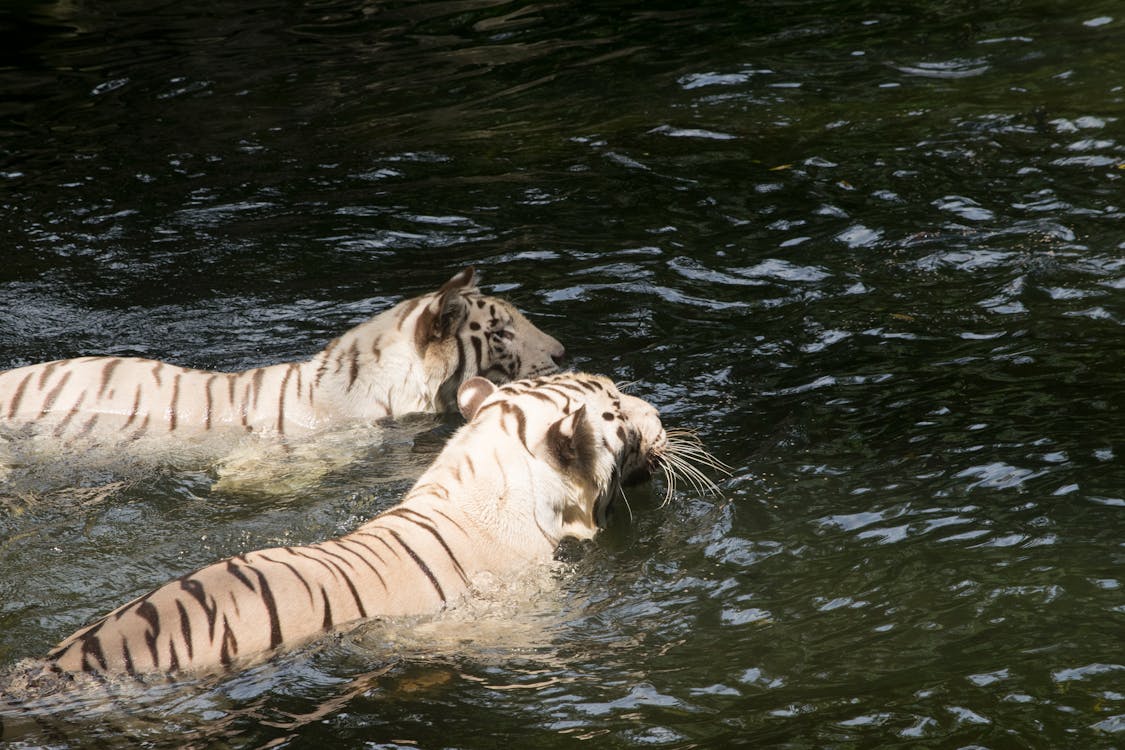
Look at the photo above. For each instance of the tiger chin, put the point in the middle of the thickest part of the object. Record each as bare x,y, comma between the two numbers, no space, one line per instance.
410,358
538,461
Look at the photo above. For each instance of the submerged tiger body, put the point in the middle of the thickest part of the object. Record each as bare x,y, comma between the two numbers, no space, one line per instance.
410,358
539,460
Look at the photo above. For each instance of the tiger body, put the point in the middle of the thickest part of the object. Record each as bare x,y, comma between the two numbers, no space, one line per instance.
539,460
410,358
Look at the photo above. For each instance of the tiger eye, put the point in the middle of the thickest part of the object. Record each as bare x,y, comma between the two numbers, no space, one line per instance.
607,416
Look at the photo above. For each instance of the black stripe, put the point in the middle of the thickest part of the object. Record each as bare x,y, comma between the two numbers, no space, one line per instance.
381,539
567,385
353,372
509,408
257,384
244,409
140,430
46,374
351,587
234,571
107,373
230,644
521,422
459,373
425,568
447,391
135,409
362,557
425,523
195,589
147,611
50,400
86,428
320,548
292,570
18,396
477,349
92,646
433,488
207,411
333,567
328,623
185,629
361,544
127,657
271,608
175,401
447,518
60,428
406,308
324,362
448,551
281,400
301,553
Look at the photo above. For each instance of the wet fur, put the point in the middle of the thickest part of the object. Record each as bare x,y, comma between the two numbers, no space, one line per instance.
410,358
538,461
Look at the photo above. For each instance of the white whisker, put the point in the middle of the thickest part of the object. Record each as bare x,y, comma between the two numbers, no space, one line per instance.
683,458
695,451
628,507
624,387
695,478
669,484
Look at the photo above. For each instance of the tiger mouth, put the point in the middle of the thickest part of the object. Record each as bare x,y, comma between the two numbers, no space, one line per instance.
644,473
640,475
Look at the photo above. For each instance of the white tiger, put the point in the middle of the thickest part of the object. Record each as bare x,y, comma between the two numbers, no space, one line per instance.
410,358
538,461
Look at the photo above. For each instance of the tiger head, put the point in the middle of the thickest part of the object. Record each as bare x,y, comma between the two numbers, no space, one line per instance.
566,442
413,357
484,336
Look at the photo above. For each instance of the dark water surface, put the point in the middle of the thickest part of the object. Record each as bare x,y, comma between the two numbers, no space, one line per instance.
873,253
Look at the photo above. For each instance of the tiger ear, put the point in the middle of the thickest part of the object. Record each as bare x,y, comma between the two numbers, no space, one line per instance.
451,308
472,394
466,278
570,440
447,310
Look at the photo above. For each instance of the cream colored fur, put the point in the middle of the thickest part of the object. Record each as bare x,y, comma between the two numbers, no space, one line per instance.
539,460
410,358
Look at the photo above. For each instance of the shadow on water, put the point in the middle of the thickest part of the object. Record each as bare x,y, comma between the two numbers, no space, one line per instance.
873,255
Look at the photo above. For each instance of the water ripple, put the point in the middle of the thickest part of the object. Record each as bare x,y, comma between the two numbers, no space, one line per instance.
952,69
873,256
